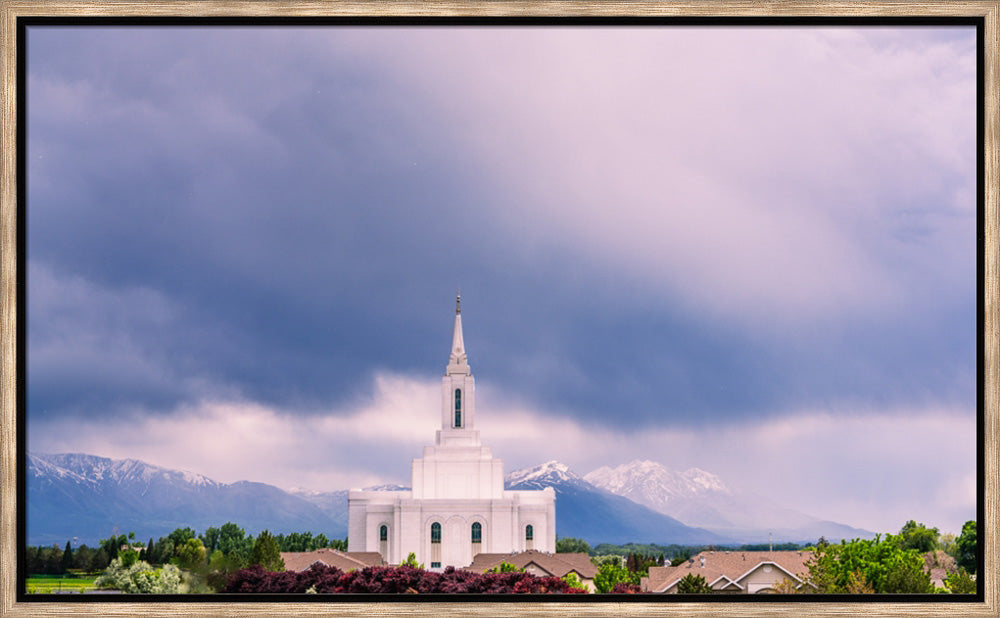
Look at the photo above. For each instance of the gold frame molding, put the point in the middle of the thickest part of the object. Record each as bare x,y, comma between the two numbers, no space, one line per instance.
10,10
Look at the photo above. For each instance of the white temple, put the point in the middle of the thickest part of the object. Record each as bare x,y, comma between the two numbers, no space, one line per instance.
457,506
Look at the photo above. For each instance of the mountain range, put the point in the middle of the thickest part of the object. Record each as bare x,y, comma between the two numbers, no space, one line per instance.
697,496
89,497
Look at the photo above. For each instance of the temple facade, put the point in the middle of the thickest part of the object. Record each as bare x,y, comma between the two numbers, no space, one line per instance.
457,506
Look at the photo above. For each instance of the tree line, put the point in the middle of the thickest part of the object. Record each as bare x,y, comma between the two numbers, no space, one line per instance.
202,562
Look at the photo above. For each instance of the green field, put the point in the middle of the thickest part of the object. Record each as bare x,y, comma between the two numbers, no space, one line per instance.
54,585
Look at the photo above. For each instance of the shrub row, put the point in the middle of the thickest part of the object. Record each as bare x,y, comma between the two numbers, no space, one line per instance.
321,578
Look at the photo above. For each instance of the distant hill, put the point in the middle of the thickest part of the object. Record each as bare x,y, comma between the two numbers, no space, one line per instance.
88,497
599,516
695,496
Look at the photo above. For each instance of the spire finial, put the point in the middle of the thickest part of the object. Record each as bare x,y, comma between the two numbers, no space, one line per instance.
458,301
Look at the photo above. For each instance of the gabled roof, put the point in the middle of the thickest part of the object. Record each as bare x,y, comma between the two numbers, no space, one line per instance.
731,566
558,565
345,561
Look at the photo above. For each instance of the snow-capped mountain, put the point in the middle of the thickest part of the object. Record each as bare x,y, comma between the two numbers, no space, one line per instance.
652,484
88,497
548,474
685,495
700,498
599,516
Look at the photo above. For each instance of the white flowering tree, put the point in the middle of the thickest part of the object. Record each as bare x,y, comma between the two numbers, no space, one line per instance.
140,577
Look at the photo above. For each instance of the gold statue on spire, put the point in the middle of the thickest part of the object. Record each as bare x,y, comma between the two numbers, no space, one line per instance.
458,301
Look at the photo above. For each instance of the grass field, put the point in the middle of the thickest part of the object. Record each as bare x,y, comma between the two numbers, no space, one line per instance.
56,585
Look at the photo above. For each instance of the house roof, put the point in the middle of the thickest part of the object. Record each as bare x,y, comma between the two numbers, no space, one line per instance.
302,560
558,565
721,567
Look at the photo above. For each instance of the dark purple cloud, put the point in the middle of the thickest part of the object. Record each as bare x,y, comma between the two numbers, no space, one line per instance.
686,237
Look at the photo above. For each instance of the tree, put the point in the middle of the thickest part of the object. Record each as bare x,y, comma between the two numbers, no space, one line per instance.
266,553
191,554
235,544
67,558
908,577
180,536
210,539
140,578
693,584
611,573
947,543
966,547
918,536
880,565
574,581
83,557
681,558
961,582
504,567
570,545
128,556
99,561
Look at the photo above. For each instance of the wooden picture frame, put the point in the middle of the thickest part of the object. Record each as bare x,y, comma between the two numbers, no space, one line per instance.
11,227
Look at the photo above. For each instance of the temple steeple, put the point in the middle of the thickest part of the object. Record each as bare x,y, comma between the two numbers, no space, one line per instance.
458,361
458,392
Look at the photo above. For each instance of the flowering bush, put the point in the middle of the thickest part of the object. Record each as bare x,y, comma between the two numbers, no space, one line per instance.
404,579
139,577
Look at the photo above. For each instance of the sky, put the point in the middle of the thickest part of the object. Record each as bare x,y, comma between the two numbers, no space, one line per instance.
749,250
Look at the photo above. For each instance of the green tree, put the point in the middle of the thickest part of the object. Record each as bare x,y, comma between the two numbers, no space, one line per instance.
411,561
693,584
966,547
680,558
128,556
235,544
611,573
570,545
67,558
82,558
113,544
99,561
879,564
961,582
266,553
210,539
504,567
180,536
191,554
918,536
574,581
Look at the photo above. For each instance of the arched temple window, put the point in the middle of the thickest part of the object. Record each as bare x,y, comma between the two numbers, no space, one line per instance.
435,545
529,533
477,532
383,533
458,407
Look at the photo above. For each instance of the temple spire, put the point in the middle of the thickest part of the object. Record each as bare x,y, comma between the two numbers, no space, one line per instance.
457,356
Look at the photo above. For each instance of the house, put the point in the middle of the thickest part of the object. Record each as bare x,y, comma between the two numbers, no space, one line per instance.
542,564
746,572
457,507
345,561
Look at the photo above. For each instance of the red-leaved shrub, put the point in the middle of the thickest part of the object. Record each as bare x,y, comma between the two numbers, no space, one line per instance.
393,580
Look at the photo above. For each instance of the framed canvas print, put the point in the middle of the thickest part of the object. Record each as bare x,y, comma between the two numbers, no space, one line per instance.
354,308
